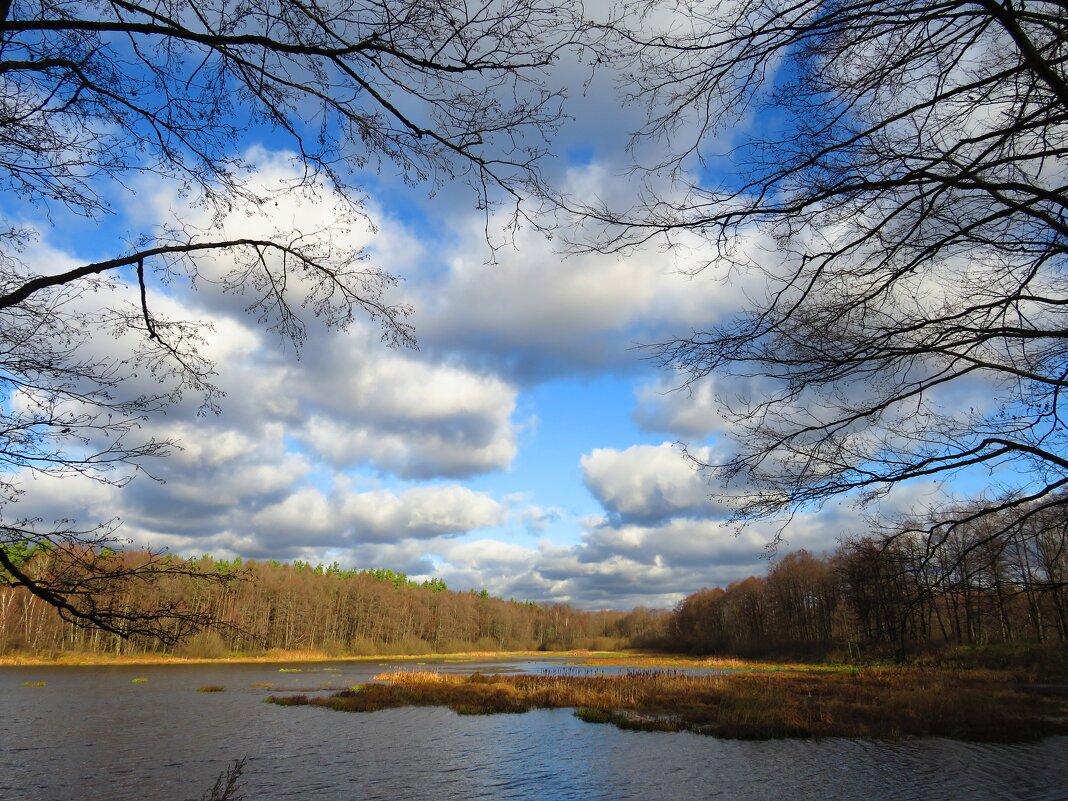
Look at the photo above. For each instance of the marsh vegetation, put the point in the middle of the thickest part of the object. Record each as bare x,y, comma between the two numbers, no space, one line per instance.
872,702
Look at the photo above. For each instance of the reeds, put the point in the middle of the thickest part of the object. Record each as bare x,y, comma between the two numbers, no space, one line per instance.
867,702
400,677
287,700
211,688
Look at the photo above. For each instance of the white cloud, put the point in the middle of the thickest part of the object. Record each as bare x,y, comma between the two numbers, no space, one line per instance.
275,475
405,416
350,518
649,482
690,411
538,314
537,519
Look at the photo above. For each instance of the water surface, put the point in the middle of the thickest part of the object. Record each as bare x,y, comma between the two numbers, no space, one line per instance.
92,734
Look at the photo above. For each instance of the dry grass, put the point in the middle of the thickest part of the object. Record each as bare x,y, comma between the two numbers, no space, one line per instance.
278,655
74,659
868,702
401,677
719,663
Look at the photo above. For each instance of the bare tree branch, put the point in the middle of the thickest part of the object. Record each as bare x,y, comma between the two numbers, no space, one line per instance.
96,94
895,199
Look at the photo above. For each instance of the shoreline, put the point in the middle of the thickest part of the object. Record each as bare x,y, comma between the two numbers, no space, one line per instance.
294,657
583,657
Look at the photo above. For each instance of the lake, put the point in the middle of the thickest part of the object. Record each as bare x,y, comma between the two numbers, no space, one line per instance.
92,733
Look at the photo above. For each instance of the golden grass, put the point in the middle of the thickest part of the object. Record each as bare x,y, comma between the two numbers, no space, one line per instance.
870,702
278,655
403,677
642,660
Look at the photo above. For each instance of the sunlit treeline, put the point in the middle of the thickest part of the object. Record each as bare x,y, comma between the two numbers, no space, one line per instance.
1001,580
299,607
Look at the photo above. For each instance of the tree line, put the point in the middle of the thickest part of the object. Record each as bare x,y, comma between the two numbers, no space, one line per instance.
997,578
260,606
1000,578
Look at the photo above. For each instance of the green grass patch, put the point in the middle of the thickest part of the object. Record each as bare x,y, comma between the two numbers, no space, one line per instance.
139,680
35,684
211,688
591,715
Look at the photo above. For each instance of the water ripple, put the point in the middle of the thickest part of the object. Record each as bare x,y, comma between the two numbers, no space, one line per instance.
91,735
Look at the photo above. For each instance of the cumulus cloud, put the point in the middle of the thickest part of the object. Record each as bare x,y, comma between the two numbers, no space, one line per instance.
622,565
537,314
690,411
407,417
649,483
538,519
295,464
658,563
345,396
341,517
249,480
348,398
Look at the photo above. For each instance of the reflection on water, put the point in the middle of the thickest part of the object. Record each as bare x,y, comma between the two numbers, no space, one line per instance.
91,733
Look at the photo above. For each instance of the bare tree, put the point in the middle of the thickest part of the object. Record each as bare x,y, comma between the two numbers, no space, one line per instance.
892,178
96,94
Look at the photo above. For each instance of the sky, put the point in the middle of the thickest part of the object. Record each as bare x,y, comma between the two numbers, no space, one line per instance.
527,446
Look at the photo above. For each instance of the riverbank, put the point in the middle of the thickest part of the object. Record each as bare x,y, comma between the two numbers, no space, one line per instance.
585,658
279,656
868,702
1017,668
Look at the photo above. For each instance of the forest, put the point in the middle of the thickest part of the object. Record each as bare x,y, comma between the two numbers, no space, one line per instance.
265,606
1001,578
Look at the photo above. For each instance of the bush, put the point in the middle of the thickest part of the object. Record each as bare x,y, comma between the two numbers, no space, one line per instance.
203,645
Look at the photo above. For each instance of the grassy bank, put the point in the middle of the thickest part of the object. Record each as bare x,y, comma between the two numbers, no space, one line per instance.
876,702
76,659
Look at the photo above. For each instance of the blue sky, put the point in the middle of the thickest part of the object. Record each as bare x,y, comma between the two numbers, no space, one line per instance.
525,447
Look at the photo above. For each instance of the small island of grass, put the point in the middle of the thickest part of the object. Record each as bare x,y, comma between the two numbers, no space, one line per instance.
875,702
